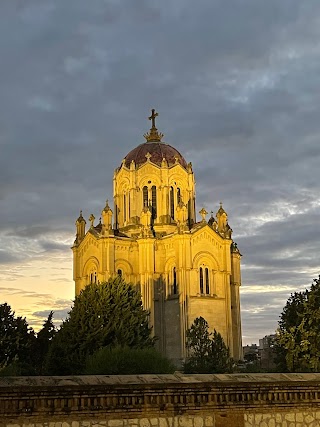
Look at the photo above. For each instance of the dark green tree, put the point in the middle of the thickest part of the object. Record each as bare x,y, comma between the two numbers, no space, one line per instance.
290,319
293,310
16,339
42,344
198,343
220,355
298,340
207,351
104,315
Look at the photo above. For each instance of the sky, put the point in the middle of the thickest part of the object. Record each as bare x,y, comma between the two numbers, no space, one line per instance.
236,84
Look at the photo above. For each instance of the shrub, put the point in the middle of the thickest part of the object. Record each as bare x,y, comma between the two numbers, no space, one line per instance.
125,360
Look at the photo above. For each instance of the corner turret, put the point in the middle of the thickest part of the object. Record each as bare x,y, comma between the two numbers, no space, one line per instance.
80,228
106,215
222,219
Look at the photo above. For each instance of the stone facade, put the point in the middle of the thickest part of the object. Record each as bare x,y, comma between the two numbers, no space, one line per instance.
183,268
280,419
256,400
310,418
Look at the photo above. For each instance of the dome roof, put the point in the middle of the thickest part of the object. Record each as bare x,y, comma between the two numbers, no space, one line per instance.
157,151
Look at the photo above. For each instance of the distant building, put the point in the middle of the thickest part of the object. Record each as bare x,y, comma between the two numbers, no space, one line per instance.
250,352
184,268
267,352
267,341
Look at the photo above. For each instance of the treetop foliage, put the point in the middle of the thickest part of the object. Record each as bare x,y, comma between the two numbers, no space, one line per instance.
43,343
106,314
298,339
16,338
207,350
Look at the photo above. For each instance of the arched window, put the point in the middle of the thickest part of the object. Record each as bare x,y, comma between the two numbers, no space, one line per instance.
154,201
189,213
201,280
171,202
93,277
124,208
175,286
116,216
119,272
207,281
178,195
145,196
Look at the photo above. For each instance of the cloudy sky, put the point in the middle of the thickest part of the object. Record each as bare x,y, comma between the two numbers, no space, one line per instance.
236,83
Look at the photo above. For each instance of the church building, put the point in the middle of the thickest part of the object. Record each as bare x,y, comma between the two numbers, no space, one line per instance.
184,268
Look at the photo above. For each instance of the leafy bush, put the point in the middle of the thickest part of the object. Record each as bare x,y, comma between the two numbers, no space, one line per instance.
17,368
125,360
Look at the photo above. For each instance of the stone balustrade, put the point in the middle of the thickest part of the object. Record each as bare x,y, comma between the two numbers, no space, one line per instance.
229,400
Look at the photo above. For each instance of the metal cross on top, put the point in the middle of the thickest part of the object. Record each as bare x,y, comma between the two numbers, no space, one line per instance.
153,135
153,117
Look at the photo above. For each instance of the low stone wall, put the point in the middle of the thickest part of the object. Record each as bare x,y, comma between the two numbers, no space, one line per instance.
235,400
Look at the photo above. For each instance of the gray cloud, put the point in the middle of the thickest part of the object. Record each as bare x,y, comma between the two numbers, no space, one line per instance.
11,290
60,308
49,246
8,258
58,315
236,85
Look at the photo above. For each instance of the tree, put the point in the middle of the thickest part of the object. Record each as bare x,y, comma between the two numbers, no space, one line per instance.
207,351
293,310
298,339
42,343
16,338
220,355
290,319
104,315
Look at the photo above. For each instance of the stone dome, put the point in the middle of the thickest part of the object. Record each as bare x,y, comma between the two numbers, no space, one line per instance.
157,151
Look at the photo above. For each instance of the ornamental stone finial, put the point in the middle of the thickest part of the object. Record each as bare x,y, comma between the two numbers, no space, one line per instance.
91,219
153,135
107,207
221,211
106,218
80,219
203,213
